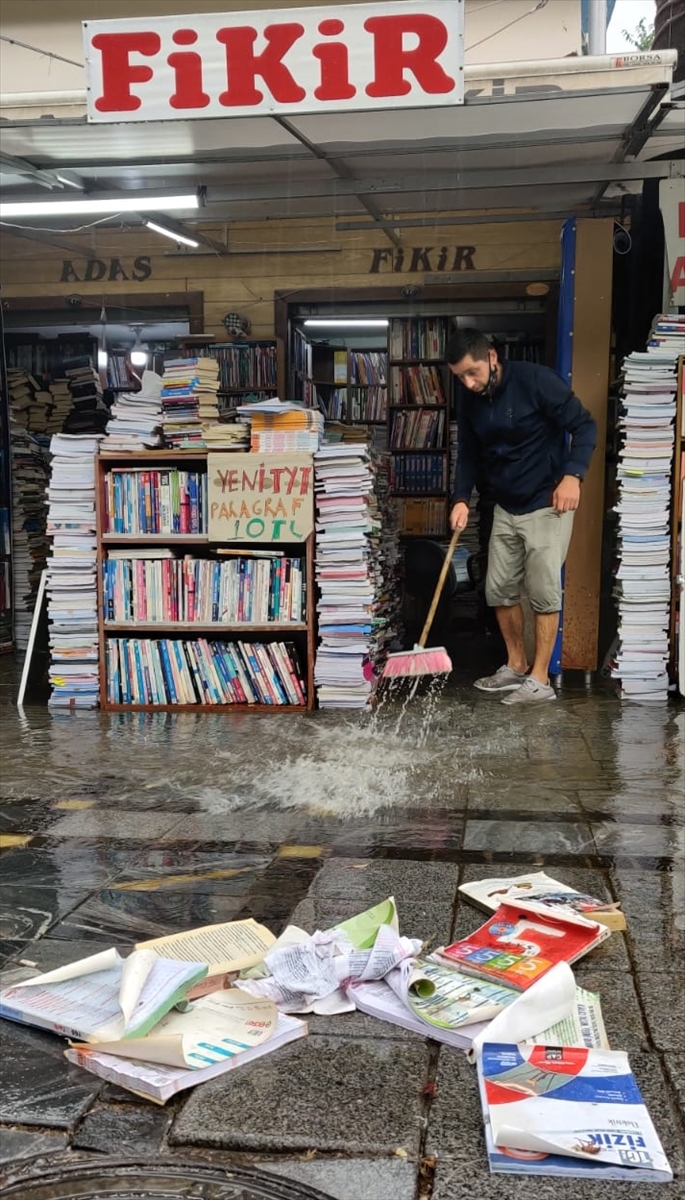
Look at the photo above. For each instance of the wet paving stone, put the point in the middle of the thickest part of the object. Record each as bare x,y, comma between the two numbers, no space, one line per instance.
135,916
105,823
27,913
18,1145
64,865
364,881
663,997
37,1084
130,1130
333,1094
528,837
351,1178
191,870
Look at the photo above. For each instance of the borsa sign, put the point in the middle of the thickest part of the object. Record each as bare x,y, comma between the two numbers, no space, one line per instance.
337,58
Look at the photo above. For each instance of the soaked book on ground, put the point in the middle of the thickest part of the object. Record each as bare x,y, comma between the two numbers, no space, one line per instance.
539,888
227,949
518,946
567,1111
159,1083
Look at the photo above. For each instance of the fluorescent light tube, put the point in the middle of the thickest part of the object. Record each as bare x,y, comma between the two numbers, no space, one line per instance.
83,207
175,237
358,322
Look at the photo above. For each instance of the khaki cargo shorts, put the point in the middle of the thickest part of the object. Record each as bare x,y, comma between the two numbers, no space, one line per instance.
527,553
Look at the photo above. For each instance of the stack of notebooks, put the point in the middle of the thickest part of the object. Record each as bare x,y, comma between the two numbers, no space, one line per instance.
356,561
136,417
71,573
277,427
643,586
89,413
29,543
189,400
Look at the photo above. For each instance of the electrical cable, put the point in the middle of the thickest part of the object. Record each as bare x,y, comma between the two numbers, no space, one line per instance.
540,4
37,50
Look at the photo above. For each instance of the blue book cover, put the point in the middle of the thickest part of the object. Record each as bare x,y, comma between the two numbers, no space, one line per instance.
567,1111
169,685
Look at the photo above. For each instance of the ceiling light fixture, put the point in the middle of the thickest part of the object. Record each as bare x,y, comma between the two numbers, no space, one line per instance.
139,352
84,207
356,322
175,237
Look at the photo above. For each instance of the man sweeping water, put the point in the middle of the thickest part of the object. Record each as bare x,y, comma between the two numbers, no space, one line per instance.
531,437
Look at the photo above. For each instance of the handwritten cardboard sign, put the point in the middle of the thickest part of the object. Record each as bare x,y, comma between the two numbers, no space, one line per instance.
260,497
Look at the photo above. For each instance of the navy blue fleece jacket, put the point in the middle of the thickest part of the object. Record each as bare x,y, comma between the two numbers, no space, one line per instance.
531,432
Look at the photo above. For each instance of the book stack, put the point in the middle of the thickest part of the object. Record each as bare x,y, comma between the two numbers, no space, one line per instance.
643,586
227,435
136,417
189,400
170,672
71,573
89,413
29,474
29,401
277,427
60,404
356,558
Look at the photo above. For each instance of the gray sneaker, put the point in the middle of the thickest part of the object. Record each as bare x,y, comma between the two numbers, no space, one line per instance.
504,680
531,691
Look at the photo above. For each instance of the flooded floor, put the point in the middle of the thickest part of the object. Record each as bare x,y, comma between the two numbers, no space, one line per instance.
115,828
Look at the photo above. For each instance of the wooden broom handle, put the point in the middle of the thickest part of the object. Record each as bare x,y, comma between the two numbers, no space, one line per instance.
439,586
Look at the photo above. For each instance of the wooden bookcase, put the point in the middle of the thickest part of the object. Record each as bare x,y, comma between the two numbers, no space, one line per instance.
302,634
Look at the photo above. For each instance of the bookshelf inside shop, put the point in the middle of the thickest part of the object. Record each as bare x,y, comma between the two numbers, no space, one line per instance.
185,623
250,369
419,402
350,385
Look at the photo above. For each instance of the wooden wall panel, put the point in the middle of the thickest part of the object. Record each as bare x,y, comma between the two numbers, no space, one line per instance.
246,282
590,381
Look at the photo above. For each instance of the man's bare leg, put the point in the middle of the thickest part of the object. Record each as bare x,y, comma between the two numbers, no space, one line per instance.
546,629
510,621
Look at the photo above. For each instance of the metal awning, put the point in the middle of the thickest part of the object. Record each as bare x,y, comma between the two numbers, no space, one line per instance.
543,136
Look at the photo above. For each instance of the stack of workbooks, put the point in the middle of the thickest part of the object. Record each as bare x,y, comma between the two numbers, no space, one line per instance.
357,556
60,404
121,1015
136,417
643,585
71,573
29,400
189,400
277,426
29,543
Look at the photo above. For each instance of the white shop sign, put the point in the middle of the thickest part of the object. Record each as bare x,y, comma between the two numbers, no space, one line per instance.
390,54
672,205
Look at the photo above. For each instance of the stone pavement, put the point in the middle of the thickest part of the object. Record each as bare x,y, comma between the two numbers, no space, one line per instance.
116,828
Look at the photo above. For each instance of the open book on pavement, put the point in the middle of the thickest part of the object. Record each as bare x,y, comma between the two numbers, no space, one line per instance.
517,946
103,997
554,1009
227,949
541,889
566,1111
159,1083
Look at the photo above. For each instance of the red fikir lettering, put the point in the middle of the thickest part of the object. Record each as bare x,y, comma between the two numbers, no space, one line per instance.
392,59
678,274
335,65
187,68
243,65
118,73
681,219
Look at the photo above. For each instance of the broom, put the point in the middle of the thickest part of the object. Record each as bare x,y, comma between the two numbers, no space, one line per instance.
433,660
